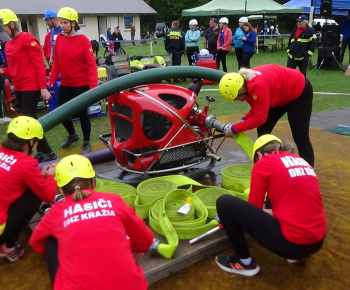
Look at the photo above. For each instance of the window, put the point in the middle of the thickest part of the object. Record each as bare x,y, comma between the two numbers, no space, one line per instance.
81,21
127,20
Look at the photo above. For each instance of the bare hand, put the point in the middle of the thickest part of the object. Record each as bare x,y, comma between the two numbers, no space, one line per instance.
49,85
50,63
138,255
1,72
49,169
45,94
229,133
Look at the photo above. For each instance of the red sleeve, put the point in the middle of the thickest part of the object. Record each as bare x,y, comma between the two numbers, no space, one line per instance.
33,47
259,183
91,63
43,187
47,47
141,237
56,62
259,100
227,40
41,232
6,71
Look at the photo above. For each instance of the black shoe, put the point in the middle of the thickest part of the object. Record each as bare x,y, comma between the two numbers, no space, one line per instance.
44,157
86,148
70,140
233,264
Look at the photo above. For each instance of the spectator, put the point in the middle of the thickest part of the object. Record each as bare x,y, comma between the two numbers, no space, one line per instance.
301,45
272,91
191,39
109,34
116,37
345,30
223,43
249,40
317,27
98,236
175,44
111,48
52,22
277,31
294,228
78,73
3,38
211,36
28,75
165,30
266,28
132,32
238,43
22,185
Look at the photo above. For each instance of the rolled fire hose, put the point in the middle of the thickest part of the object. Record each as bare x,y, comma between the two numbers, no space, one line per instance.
126,191
165,220
237,178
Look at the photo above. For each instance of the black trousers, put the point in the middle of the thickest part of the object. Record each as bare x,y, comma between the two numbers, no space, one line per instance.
299,114
238,216
191,50
51,250
246,59
221,57
66,94
20,213
344,44
28,103
239,56
302,64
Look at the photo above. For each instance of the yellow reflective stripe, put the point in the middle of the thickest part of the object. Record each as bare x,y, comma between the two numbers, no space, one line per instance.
175,33
310,52
304,40
293,39
298,58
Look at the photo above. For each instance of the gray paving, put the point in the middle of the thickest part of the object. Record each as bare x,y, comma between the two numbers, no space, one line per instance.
329,119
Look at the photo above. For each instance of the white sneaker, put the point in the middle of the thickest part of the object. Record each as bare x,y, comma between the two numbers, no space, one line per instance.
5,120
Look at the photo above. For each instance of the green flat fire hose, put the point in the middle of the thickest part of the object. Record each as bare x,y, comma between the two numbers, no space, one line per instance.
160,198
245,143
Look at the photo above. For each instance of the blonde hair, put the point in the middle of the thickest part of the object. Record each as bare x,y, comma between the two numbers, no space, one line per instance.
76,187
247,73
275,146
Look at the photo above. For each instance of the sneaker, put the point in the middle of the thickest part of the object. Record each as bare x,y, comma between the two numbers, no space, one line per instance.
86,148
12,254
233,264
70,140
43,157
290,261
5,120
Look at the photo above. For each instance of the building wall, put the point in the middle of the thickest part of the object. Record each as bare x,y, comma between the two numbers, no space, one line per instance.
37,27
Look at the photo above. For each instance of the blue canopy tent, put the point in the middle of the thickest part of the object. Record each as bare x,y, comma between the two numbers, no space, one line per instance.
340,7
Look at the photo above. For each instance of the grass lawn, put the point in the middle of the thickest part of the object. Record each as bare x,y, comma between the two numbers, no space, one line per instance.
331,81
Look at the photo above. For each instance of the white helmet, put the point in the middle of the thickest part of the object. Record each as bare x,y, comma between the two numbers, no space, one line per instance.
243,19
223,20
204,52
193,22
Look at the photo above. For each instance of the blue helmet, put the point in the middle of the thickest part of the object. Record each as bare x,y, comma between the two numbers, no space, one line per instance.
49,13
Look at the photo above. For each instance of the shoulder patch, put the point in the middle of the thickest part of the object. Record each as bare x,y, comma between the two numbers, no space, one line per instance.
254,97
33,43
90,49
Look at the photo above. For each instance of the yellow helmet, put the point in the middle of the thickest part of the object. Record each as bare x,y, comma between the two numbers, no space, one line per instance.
7,16
263,140
230,85
68,13
26,128
71,167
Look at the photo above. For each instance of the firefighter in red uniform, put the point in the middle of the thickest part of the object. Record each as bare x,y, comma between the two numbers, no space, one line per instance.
272,91
294,228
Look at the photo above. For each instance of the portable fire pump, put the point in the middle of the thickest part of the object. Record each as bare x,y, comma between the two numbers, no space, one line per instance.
158,129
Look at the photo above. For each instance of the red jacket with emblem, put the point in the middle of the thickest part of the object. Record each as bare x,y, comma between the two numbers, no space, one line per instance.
272,86
96,239
74,59
18,172
294,191
25,63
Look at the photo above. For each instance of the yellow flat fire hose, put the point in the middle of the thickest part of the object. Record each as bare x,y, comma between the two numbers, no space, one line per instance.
245,143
